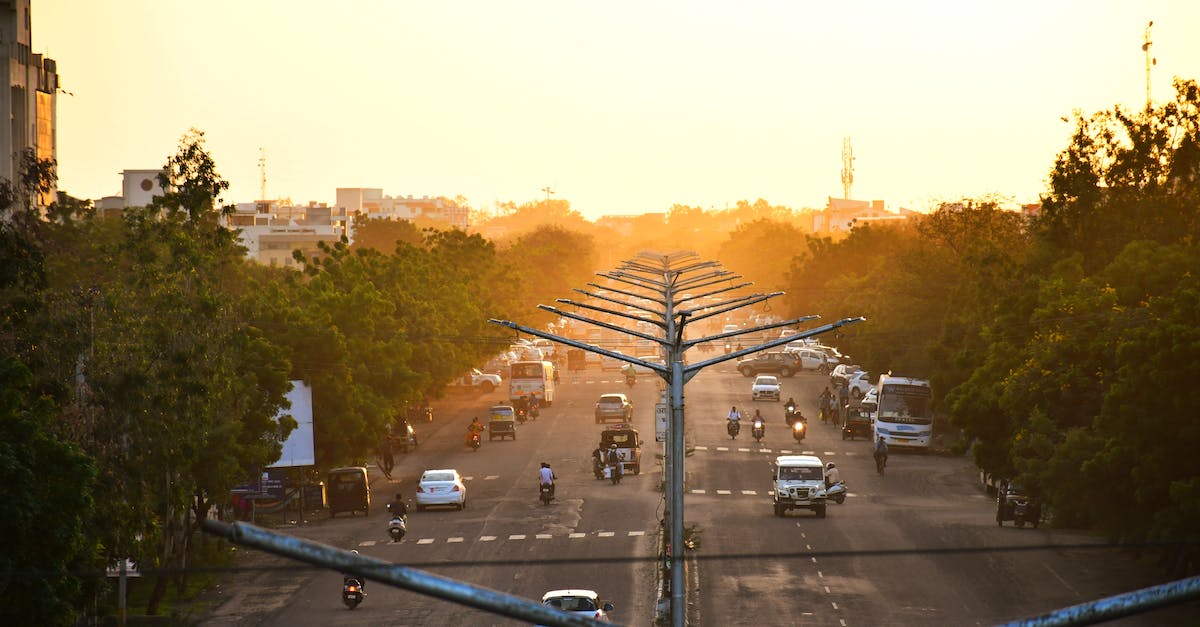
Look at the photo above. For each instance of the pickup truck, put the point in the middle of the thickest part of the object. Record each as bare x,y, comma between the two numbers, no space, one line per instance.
476,381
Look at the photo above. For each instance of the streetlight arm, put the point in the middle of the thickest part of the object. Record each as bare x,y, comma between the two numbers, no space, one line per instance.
659,368
610,312
613,289
692,368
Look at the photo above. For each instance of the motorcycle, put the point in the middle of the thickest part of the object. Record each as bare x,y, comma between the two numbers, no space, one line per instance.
758,431
630,380
521,415
837,492
397,528
799,430
733,427
598,468
475,441
352,593
614,472
545,493
880,464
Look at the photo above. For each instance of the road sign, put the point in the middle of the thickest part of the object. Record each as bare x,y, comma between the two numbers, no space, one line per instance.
660,422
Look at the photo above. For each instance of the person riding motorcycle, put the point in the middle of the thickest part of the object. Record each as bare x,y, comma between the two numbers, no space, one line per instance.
362,581
534,404
790,405
475,427
630,372
881,452
614,461
546,476
398,507
734,414
832,475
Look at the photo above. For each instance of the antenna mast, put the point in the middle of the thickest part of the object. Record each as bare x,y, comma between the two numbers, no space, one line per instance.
1146,43
262,173
847,167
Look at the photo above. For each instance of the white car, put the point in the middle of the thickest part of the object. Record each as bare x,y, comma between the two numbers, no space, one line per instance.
859,384
580,602
765,387
441,487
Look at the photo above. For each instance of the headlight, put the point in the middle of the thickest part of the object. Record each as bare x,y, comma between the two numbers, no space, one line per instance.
798,426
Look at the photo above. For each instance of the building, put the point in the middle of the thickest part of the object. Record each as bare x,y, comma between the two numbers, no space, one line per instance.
841,214
139,187
369,202
30,104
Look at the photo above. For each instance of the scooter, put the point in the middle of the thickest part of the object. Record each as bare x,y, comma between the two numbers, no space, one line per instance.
799,430
545,493
733,427
397,528
475,441
837,492
352,593
758,431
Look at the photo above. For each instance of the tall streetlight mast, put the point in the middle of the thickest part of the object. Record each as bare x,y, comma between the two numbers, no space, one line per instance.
262,173
847,167
1146,43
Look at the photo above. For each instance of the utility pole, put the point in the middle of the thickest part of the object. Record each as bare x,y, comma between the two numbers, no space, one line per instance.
662,279
1146,43
548,192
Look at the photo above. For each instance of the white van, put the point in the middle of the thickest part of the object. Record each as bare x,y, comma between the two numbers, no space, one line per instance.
799,484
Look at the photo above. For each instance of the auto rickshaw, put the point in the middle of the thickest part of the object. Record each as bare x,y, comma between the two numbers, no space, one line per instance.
501,423
348,491
1013,504
857,423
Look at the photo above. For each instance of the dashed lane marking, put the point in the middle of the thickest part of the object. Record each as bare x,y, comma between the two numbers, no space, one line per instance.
367,543
543,536
697,491
454,540
517,536
606,534
487,538
636,533
575,536
750,492
425,541
724,492
491,477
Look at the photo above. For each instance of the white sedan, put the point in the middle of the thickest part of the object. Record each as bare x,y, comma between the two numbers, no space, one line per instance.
765,387
441,487
580,602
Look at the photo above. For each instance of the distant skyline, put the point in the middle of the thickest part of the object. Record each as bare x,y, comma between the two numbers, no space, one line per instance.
618,107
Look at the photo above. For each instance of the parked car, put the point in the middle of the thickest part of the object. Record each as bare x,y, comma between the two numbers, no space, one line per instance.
614,407
584,603
441,487
765,387
859,384
810,358
776,362
476,381
842,372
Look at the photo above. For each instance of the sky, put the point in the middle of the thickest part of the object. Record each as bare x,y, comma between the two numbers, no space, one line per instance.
617,107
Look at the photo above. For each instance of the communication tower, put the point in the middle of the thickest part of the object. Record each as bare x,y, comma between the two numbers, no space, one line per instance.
847,167
1146,43
262,173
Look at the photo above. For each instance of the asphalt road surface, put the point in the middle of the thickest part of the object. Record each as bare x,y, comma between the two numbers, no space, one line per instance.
918,546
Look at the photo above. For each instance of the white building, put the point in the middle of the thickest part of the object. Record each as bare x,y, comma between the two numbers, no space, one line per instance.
139,187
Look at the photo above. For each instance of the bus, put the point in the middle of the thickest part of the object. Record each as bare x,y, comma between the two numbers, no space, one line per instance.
903,417
527,377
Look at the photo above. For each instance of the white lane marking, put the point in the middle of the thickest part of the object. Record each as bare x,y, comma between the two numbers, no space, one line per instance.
487,538
808,452
472,478
722,448
750,492
454,540
834,604
814,560
764,450
830,453
517,536
826,590
367,543
697,491
701,448
770,493
849,453
607,534
842,621
574,536
820,574
808,546
785,451
724,492
636,533
425,541
491,477
543,536
743,450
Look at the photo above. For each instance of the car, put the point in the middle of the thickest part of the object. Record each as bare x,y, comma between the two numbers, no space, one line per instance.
859,384
578,601
614,407
476,381
443,486
799,484
765,387
841,373
781,363
810,358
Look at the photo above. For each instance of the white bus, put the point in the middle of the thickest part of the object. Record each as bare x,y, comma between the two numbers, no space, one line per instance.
526,377
903,417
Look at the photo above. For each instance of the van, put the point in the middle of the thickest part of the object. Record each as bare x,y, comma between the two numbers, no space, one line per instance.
348,491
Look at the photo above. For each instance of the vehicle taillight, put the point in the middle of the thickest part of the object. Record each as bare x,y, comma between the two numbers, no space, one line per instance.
456,488
420,489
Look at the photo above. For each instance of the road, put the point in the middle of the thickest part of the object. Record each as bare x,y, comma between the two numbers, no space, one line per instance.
918,546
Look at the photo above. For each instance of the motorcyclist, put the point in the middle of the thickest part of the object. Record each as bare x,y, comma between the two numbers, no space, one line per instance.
362,581
533,404
599,458
629,371
734,414
474,428
832,475
790,405
881,451
546,476
398,507
614,460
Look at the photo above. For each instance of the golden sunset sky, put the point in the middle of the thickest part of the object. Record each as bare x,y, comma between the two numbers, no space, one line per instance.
619,107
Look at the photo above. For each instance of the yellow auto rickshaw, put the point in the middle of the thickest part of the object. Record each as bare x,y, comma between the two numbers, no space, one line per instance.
348,491
501,422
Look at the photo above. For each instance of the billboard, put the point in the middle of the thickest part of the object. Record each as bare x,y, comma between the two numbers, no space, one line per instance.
298,448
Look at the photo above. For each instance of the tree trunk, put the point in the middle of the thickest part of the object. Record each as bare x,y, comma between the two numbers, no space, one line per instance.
166,559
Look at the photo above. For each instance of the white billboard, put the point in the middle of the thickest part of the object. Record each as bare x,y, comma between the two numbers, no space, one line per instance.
298,448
